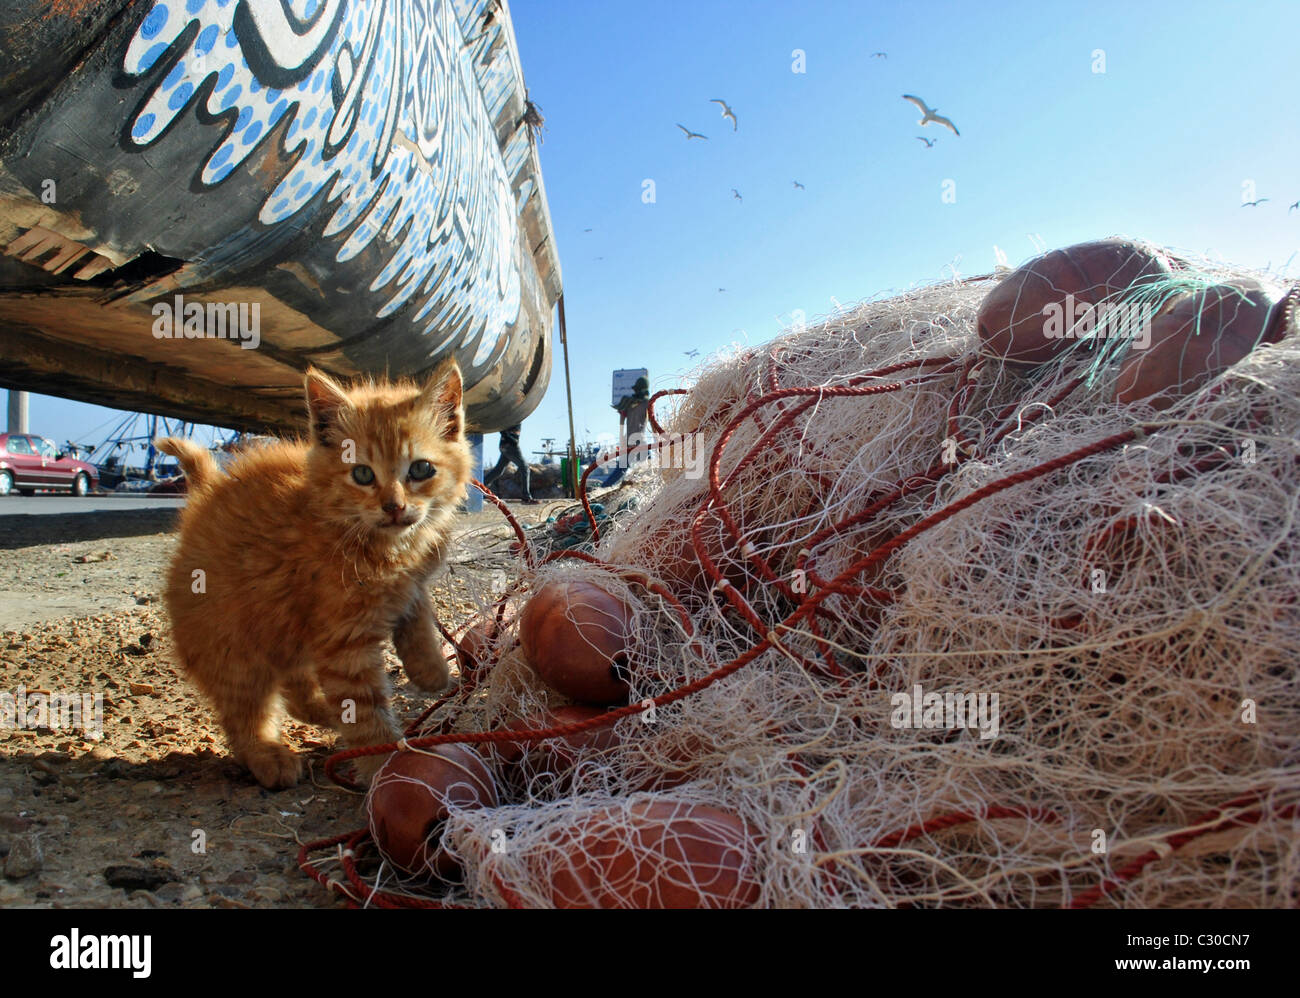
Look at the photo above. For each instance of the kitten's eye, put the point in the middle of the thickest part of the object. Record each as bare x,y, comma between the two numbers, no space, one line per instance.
362,475
420,470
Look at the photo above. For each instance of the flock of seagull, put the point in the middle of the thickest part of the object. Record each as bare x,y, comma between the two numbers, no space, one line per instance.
929,116
727,113
1294,206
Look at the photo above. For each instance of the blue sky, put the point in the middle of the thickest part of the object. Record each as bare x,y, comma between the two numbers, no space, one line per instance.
1197,99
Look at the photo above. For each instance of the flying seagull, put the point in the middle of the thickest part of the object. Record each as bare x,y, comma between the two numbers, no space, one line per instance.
692,135
691,353
880,55
798,185
736,194
1293,207
928,142
1254,204
929,115
726,111
720,290
586,230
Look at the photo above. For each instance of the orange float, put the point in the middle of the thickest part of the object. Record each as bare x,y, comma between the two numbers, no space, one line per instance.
652,854
474,648
1193,339
411,796
576,636
1014,319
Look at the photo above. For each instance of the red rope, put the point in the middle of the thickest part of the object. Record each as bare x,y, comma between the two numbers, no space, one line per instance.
807,608
944,821
717,501
1176,841
722,671
764,643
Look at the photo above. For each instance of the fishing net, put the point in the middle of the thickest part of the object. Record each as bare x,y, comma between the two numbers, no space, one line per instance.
907,627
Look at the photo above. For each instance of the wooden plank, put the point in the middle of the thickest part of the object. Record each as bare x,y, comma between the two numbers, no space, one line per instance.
70,254
97,265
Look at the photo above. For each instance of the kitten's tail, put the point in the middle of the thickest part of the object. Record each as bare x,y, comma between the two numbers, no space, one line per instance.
196,461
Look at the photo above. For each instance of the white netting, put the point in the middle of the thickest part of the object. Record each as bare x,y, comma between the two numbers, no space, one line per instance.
1126,629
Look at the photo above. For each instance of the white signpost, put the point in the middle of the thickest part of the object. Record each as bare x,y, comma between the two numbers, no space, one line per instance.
624,380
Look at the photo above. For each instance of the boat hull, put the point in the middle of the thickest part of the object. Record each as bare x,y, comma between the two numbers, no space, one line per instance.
205,198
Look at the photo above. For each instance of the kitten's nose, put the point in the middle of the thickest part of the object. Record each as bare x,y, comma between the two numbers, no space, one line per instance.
393,506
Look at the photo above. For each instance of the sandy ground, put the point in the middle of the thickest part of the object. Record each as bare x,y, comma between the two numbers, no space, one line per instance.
153,813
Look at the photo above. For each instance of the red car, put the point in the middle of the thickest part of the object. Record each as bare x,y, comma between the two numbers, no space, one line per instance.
28,463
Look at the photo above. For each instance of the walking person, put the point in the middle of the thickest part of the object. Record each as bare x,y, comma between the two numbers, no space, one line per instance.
511,454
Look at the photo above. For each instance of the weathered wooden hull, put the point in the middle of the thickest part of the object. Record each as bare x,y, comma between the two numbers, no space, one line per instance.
357,170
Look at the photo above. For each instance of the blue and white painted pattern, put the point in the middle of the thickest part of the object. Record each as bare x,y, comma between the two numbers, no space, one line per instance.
365,84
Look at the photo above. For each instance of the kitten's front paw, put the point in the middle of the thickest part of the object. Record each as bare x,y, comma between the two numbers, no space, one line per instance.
426,668
419,646
274,766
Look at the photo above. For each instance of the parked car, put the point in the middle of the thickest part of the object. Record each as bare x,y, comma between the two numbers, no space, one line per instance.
29,462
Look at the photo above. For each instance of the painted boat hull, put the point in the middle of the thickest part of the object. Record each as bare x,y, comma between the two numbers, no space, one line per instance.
201,198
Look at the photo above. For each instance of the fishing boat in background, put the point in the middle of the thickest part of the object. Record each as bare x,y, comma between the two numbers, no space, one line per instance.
201,198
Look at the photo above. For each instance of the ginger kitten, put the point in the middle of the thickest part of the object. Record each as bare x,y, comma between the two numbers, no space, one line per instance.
296,564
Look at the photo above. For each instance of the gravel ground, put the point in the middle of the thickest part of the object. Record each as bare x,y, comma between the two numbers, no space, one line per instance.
153,813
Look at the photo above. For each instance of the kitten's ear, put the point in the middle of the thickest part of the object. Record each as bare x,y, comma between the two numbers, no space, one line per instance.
324,400
443,393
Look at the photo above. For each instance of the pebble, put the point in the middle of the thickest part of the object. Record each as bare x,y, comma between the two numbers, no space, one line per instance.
177,893
25,857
